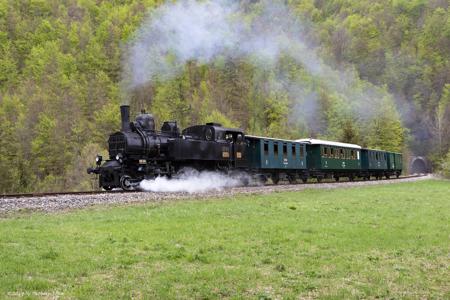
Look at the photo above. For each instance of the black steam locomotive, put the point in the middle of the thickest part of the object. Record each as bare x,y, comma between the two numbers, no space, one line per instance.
140,152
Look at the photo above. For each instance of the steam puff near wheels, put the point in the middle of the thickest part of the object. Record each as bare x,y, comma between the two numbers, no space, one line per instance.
192,181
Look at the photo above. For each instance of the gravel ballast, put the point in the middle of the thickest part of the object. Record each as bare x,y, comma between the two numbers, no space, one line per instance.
69,202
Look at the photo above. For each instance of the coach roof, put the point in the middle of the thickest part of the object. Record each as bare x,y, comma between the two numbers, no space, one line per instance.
328,143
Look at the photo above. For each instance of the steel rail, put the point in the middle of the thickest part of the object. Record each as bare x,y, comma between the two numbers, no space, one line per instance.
53,194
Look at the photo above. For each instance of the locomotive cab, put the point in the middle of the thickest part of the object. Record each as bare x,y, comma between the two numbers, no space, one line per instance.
220,146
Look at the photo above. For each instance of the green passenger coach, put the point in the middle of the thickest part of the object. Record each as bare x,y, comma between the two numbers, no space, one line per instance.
275,158
394,164
327,159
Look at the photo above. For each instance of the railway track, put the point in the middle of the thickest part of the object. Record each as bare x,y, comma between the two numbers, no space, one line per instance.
53,194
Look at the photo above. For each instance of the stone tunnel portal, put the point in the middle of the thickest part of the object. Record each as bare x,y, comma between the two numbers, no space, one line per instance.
419,165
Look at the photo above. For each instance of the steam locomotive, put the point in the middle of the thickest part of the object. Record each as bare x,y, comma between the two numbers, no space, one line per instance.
140,152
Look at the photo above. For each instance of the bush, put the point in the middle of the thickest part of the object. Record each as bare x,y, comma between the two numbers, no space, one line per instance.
445,166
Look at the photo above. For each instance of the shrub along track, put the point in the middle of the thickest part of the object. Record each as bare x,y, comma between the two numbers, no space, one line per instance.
51,202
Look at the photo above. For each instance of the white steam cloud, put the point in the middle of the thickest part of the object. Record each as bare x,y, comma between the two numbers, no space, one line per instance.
204,31
192,181
189,30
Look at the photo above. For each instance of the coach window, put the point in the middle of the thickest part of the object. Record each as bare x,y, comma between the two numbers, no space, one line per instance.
284,150
331,152
294,154
341,152
275,149
301,151
266,148
325,151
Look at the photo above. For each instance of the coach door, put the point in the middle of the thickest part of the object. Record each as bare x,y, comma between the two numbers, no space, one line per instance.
238,150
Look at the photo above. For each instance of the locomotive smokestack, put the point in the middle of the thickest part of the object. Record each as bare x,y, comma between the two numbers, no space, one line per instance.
125,116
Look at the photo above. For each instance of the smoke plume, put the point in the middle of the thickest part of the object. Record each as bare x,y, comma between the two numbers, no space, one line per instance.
192,181
260,33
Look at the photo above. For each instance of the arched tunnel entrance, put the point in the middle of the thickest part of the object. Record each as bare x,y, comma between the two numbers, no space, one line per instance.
419,165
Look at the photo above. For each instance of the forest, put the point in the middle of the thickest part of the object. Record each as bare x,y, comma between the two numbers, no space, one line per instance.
62,75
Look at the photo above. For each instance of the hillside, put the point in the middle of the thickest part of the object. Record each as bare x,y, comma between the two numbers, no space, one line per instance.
63,65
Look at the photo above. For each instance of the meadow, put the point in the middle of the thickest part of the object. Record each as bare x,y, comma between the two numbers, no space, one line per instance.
387,241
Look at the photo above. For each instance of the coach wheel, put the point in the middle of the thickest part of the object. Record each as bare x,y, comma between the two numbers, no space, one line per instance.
275,178
398,175
336,178
262,178
291,179
304,179
388,176
351,178
319,179
125,183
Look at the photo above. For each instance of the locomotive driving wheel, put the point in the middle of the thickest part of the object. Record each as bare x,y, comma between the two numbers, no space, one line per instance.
126,183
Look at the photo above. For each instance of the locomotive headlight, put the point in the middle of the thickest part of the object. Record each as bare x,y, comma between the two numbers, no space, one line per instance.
98,160
119,157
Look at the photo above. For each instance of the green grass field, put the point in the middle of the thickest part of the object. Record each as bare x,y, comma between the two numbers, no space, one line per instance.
388,241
